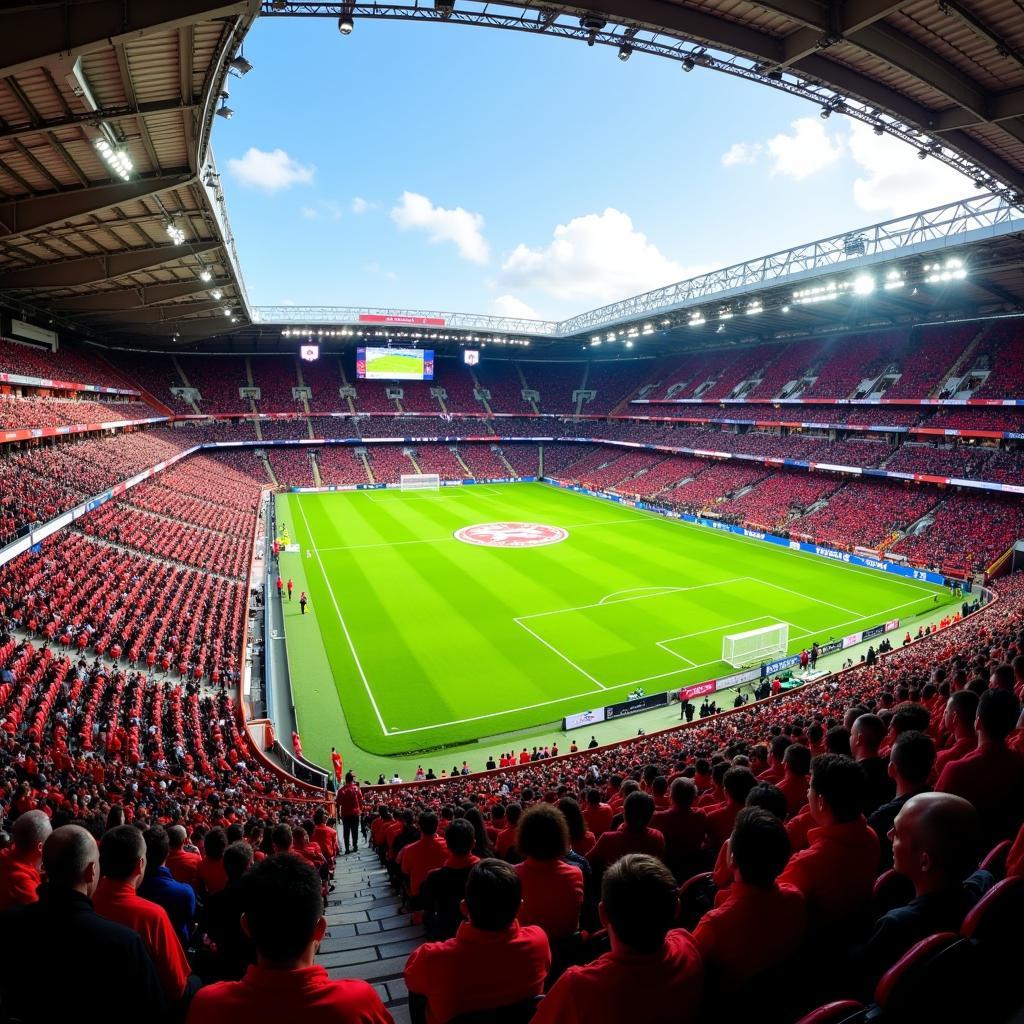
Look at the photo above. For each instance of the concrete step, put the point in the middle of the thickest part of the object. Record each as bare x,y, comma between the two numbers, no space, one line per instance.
367,936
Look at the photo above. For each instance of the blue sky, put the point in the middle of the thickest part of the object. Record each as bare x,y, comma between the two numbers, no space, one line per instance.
456,168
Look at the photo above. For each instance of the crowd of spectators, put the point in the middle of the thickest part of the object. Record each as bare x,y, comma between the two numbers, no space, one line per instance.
1001,351
963,462
772,502
864,513
970,532
931,353
71,365
339,464
291,466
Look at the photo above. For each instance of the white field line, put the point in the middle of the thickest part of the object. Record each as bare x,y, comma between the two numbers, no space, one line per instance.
590,693
382,497
777,548
604,602
802,595
639,515
555,650
437,540
341,619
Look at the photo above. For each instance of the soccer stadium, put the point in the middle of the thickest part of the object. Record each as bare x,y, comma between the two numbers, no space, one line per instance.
646,645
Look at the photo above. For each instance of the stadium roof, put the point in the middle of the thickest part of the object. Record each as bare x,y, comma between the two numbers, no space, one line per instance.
88,83
83,234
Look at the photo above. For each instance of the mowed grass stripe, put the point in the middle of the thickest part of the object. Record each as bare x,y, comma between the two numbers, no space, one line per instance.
435,625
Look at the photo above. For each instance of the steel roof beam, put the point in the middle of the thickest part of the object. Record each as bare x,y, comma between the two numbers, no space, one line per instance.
135,298
19,216
30,34
68,273
156,314
822,32
93,117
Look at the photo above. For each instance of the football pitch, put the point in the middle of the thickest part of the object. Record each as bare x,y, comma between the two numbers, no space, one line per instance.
414,639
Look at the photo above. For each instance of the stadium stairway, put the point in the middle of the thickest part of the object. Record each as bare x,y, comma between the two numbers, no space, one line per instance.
367,936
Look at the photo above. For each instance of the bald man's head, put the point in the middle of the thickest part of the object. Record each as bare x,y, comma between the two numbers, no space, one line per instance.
30,831
177,837
935,839
71,859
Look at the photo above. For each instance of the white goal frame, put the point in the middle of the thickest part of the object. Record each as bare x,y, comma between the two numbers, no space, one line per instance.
755,645
420,482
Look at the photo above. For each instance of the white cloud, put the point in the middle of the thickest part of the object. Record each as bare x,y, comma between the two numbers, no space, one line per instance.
742,153
271,171
598,257
513,306
808,150
361,205
309,213
416,212
895,180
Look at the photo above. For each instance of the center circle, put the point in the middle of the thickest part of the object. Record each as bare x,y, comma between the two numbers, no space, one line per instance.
511,535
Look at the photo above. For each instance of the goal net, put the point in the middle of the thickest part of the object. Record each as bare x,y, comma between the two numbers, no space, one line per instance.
755,645
420,482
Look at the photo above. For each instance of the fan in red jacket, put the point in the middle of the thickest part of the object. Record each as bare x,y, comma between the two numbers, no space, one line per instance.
653,972
283,914
20,862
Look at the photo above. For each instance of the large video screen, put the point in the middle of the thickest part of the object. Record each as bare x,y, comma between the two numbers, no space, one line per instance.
395,364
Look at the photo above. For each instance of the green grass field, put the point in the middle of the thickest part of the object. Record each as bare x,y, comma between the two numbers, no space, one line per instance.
395,364
414,639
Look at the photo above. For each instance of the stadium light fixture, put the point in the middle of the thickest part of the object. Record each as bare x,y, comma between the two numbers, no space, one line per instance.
227,312
240,66
879,129
893,280
592,24
225,111
216,294
625,52
826,113
696,320
863,284
345,24
688,64
176,235
116,159
629,344
785,309
205,276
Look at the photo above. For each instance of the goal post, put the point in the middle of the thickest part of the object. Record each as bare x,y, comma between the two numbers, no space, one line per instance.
755,645
420,482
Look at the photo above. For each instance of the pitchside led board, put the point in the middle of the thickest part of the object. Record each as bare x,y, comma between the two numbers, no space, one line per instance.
395,364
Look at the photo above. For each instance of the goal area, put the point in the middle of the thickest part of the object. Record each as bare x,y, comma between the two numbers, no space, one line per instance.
755,645
420,482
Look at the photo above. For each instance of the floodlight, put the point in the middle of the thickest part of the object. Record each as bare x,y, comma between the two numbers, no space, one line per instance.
879,129
592,24
240,66
629,344
625,52
863,284
922,154
227,312
688,64
216,294
225,111
826,113
205,276
345,25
